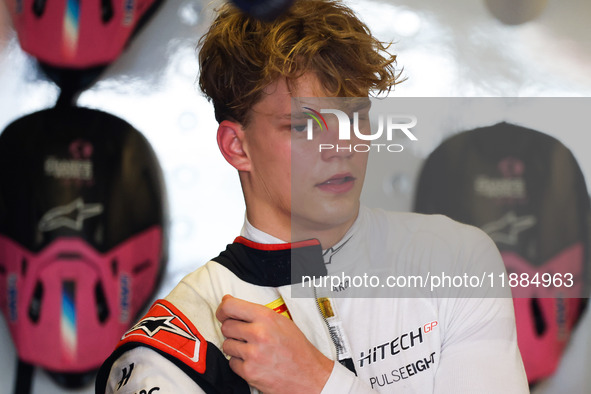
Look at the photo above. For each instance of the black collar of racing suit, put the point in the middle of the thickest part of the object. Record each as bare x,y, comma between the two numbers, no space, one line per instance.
273,265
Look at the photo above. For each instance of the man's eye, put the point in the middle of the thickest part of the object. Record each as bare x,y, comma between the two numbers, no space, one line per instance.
299,127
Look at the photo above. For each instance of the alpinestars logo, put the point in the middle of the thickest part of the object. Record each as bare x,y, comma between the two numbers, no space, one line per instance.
508,228
152,325
167,329
71,215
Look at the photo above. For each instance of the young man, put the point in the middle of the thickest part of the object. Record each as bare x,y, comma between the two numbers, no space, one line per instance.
233,325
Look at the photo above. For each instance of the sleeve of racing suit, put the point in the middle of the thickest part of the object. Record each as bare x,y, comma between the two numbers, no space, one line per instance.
141,369
174,345
343,381
483,356
479,351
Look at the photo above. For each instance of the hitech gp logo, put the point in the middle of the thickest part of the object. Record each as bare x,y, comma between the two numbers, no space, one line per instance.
388,127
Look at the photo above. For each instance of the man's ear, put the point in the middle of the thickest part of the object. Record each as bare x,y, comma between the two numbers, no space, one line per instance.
231,143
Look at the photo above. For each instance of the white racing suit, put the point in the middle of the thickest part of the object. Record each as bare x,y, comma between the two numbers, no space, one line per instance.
388,345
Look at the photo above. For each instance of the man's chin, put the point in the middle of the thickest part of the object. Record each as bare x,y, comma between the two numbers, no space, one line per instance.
323,220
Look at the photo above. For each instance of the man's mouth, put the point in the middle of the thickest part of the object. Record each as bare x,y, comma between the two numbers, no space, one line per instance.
338,180
339,183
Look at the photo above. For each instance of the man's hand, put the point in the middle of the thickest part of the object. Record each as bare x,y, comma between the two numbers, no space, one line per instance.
269,351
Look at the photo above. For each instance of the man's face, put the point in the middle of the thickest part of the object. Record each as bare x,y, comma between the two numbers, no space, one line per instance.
291,181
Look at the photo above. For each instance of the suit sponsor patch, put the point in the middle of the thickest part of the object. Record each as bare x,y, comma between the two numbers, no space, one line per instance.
166,328
279,306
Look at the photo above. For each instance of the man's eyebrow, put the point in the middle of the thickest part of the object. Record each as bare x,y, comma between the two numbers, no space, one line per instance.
353,106
293,115
360,104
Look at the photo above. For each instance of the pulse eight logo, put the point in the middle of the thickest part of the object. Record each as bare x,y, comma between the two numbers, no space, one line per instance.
387,125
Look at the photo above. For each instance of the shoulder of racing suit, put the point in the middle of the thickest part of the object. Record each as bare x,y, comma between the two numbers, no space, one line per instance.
168,331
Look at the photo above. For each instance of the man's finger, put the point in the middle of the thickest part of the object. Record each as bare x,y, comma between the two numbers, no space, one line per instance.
235,329
224,311
235,348
235,308
237,365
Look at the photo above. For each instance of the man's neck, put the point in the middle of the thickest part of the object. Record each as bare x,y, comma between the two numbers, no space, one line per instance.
254,234
257,231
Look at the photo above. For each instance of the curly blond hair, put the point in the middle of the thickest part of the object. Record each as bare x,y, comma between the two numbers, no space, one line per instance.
240,55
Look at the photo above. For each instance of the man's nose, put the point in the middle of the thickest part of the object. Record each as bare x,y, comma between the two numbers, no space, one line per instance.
334,143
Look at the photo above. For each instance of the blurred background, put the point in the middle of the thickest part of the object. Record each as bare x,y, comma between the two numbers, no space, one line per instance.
456,48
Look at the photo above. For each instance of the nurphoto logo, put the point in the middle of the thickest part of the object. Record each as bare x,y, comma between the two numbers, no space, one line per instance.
388,126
